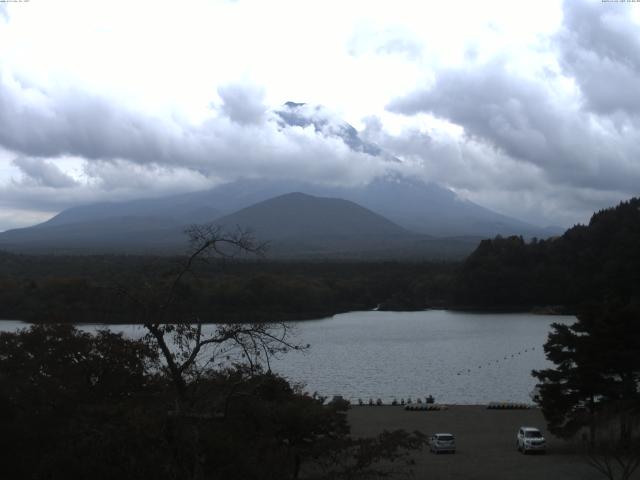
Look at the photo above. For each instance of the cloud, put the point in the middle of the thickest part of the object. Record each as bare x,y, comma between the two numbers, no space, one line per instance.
17,217
561,136
527,120
48,124
387,41
121,153
599,46
486,175
325,123
127,179
401,45
243,104
410,143
516,116
43,173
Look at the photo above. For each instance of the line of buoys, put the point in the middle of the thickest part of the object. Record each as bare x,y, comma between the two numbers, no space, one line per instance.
508,406
425,408
418,402
371,402
506,357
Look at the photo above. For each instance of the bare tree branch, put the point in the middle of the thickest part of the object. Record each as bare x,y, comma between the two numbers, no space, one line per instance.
180,336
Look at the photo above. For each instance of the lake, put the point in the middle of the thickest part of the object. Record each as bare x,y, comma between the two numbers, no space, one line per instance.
458,357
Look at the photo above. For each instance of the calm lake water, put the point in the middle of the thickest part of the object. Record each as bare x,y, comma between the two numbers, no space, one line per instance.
458,357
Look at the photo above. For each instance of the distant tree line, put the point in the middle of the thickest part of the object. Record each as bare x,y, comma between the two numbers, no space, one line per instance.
86,288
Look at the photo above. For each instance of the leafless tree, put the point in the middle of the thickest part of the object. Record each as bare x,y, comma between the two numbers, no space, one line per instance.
186,347
189,344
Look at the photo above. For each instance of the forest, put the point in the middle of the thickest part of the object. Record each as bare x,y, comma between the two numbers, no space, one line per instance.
556,275
79,289
589,263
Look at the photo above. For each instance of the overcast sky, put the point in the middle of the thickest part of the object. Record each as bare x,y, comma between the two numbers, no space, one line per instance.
529,108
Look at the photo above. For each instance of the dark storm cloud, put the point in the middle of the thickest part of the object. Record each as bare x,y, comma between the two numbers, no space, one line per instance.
43,173
599,45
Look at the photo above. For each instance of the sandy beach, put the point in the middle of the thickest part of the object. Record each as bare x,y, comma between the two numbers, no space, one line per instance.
485,443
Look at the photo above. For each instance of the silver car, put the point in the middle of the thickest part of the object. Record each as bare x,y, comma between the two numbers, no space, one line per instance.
442,442
530,439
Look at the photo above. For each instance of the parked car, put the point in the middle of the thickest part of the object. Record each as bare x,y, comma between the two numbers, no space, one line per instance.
442,442
530,439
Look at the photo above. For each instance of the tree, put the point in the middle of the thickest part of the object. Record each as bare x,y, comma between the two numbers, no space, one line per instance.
76,405
80,405
595,385
569,393
616,451
166,308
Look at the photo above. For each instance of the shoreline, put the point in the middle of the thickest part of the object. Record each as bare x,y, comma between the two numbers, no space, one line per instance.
550,310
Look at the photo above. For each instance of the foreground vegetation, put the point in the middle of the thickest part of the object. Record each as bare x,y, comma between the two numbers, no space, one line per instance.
75,406
177,404
592,393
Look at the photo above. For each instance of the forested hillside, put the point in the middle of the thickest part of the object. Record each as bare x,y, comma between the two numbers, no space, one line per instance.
588,263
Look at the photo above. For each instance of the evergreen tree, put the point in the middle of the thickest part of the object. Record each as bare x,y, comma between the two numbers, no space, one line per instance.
597,367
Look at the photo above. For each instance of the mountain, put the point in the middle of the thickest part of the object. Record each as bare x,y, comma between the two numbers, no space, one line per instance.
298,215
423,207
415,205
157,224
101,235
168,211
433,210
297,224
305,115
294,225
